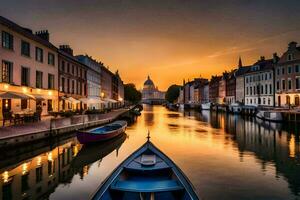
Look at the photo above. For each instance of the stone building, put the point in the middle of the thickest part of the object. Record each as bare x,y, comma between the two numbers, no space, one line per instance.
287,73
151,94
29,69
72,80
214,89
200,91
240,83
222,88
259,83
230,96
93,99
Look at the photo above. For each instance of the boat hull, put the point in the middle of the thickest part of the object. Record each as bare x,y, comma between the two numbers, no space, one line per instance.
85,137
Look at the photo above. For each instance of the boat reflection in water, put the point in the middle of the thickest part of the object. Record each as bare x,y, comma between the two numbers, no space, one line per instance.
24,177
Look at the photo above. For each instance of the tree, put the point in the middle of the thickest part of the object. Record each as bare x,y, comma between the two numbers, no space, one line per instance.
172,93
131,94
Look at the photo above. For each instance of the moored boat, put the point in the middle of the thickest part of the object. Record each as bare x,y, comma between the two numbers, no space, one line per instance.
270,115
102,133
145,175
206,106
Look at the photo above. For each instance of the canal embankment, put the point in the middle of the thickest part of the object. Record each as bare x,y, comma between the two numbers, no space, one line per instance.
26,133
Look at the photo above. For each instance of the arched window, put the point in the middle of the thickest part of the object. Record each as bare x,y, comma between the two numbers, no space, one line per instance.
296,100
288,100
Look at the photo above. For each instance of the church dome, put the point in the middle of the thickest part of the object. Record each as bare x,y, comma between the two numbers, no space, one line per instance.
148,82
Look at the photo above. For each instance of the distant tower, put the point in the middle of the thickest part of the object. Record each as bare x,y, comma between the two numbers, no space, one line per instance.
240,62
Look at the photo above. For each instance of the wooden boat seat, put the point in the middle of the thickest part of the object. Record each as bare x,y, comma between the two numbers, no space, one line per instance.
148,160
146,185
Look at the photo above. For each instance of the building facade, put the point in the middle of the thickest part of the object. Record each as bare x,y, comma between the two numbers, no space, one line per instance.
72,80
287,73
29,69
259,84
214,89
230,95
93,100
240,83
151,94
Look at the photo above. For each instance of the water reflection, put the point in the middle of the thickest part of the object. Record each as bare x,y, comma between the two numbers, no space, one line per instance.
37,177
225,157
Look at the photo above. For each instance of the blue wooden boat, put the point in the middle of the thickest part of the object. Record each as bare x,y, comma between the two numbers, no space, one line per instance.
147,174
102,133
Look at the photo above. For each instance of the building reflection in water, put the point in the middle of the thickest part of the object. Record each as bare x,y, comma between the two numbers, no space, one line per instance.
267,141
37,177
148,115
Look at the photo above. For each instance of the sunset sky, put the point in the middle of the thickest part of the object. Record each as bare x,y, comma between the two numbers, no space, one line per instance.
169,40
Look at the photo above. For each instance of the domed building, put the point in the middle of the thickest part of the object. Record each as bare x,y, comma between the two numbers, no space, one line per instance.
151,94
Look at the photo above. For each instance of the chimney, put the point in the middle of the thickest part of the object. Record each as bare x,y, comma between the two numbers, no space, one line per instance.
43,34
262,58
67,49
275,58
292,45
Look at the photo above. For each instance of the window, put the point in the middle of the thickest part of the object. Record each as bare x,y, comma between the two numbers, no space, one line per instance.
296,68
6,72
63,66
269,101
246,79
25,48
266,89
289,84
68,85
262,89
283,84
73,87
270,76
50,106
72,69
266,76
39,79
68,67
290,57
50,81
264,101
51,59
277,85
38,174
7,40
25,76
278,71
270,88
282,70
289,69
247,91
250,90
23,104
62,84
297,83
39,54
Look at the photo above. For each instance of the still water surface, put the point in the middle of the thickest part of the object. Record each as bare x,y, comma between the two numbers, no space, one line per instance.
224,156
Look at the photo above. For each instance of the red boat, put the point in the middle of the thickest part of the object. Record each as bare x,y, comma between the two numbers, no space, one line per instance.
102,133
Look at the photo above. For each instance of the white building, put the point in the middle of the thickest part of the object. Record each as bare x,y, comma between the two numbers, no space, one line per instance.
93,81
259,84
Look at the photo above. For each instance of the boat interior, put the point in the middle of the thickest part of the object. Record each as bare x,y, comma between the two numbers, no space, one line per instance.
146,177
106,128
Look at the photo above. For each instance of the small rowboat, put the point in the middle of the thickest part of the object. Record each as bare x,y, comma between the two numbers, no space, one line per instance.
102,133
147,174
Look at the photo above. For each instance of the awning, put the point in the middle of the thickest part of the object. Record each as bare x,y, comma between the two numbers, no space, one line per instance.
110,100
91,100
71,99
38,97
15,95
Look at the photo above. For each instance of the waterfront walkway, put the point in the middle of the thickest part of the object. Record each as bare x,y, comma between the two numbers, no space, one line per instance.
52,123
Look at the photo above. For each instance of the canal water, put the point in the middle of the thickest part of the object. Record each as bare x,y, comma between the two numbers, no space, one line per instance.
224,156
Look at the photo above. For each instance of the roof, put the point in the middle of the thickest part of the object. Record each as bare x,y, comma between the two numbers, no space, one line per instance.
25,32
149,82
242,70
73,58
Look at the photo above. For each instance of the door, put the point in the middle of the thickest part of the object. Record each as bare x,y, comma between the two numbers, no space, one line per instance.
279,101
6,105
297,101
